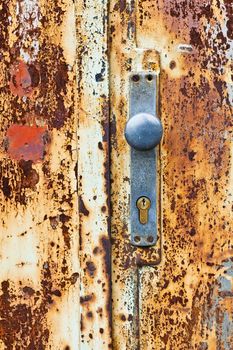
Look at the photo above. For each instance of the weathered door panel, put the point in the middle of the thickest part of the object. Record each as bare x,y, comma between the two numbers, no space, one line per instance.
55,216
181,297
93,175
53,63
39,261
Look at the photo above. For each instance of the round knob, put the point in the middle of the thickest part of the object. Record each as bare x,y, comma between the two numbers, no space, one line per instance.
143,131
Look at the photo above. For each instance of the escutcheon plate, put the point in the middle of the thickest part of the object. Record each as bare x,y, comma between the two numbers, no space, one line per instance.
143,97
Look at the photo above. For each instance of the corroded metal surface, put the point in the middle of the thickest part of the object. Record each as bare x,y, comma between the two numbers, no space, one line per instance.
55,263
185,300
93,175
38,252
54,81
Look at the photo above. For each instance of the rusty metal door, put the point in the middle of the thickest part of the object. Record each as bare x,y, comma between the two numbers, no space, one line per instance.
177,294
54,111
65,176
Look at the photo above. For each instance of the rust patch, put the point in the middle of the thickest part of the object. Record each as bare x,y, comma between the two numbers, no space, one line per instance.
24,78
229,24
54,222
86,299
27,319
91,268
64,219
14,182
82,207
56,107
89,314
30,176
6,188
176,298
120,5
28,291
74,277
27,142
38,89
22,321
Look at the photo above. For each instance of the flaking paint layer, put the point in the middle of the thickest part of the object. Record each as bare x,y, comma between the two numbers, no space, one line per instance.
183,301
38,185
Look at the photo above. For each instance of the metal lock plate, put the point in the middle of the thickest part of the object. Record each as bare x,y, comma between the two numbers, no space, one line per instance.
143,206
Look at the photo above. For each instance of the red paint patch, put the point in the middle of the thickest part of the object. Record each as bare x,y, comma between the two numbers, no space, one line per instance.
27,142
23,79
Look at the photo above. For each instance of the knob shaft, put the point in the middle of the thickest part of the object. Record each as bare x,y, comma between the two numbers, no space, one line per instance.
143,131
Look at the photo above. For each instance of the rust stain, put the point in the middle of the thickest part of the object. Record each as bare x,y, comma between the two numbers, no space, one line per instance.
179,300
27,319
27,142
24,78
183,287
93,176
30,176
38,189
82,208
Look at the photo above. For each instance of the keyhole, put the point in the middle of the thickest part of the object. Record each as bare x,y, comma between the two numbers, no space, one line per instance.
143,204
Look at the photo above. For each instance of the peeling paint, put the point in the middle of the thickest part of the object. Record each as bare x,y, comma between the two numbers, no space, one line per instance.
64,283
38,179
93,176
183,300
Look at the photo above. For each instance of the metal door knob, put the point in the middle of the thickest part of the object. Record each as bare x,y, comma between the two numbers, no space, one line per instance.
143,131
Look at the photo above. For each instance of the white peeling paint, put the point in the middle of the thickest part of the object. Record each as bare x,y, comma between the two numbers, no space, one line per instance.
28,13
69,35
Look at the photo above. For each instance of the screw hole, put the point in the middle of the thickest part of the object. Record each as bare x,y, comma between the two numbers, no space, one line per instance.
149,77
150,239
137,239
135,78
